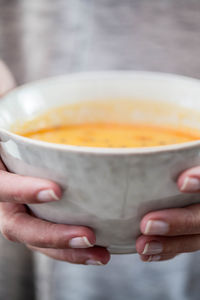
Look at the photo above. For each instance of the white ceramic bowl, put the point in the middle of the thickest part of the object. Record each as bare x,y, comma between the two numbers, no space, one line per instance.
108,190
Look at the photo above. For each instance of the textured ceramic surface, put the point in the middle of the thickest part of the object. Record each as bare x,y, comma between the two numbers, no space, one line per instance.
106,189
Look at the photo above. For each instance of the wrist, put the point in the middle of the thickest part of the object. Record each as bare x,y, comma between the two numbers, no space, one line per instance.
7,81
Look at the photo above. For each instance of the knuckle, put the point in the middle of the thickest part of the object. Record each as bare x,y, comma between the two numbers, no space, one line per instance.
176,246
53,237
170,246
16,198
188,222
44,239
67,255
72,257
7,231
10,226
50,237
191,221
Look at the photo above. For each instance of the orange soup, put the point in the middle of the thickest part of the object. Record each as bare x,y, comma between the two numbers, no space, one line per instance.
113,135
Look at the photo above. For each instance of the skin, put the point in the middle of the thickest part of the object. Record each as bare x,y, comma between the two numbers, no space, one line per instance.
53,240
183,234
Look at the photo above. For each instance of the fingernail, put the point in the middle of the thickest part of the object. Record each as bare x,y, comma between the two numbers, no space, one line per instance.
93,262
152,248
80,242
47,196
190,185
156,227
154,258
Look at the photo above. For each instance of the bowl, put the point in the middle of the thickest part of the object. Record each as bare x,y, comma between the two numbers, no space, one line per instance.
107,189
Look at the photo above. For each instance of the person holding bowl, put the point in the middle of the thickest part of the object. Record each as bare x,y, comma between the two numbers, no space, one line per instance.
164,234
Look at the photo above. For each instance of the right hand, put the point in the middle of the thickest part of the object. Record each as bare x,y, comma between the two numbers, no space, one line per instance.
74,244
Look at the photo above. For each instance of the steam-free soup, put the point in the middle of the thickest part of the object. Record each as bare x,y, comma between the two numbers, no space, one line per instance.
113,135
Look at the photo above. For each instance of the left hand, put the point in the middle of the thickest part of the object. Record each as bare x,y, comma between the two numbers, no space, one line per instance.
167,233
68,243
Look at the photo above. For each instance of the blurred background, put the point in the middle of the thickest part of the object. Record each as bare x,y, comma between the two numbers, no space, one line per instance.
42,38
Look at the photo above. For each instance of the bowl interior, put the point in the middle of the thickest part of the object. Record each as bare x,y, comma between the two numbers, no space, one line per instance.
133,96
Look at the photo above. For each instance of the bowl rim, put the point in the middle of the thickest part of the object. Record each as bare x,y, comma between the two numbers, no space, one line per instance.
102,150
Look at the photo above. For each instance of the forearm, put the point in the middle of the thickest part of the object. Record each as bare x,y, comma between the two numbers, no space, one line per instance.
7,81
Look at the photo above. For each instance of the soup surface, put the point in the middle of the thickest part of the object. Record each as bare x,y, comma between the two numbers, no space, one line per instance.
113,135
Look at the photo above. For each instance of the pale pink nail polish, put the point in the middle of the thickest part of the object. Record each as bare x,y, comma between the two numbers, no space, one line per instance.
152,248
80,242
154,227
93,262
154,258
47,196
190,185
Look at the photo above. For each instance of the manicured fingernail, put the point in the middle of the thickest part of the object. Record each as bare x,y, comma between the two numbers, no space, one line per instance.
156,227
152,248
154,258
80,242
47,196
93,262
190,185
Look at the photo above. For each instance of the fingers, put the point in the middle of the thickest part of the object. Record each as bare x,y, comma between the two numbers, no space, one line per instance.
172,222
180,221
150,258
17,225
21,189
189,181
172,231
93,256
154,245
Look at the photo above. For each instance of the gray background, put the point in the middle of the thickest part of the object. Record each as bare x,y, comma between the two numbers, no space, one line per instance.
45,37
40,38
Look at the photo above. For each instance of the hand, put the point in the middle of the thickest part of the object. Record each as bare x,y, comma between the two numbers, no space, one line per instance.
63,242
169,232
